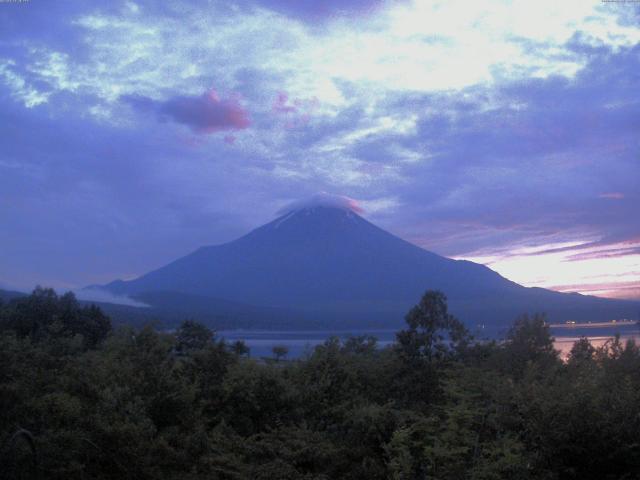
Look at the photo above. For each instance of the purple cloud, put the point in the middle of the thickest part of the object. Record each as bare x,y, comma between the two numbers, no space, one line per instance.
206,113
281,104
297,112
608,253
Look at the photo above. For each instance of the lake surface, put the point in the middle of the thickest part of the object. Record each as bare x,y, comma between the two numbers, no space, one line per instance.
301,342
598,334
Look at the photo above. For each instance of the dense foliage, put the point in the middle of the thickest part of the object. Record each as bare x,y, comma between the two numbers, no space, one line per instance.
78,400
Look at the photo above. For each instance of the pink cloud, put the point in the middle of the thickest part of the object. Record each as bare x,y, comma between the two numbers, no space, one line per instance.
297,112
608,253
207,113
324,199
281,104
627,290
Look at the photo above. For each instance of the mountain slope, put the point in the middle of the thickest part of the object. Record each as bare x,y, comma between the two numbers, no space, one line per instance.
332,264
168,309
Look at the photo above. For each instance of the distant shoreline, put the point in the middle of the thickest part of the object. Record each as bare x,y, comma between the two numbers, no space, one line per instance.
613,323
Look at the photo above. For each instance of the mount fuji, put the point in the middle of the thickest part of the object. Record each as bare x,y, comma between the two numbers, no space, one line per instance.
323,264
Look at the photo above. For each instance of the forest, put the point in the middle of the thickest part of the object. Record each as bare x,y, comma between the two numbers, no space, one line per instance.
80,399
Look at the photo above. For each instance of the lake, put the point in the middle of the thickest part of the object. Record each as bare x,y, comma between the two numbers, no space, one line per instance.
300,342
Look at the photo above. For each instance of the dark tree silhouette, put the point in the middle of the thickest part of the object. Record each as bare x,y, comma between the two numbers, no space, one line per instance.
280,352
192,335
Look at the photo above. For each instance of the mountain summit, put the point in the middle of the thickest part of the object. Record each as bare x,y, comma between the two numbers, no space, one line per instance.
327,263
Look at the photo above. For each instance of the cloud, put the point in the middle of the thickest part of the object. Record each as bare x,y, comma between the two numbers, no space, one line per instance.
612,195
281,104
297,112
141,103
488,134
103,296
523,159
620,290
323,199
207,113
313,11
618,251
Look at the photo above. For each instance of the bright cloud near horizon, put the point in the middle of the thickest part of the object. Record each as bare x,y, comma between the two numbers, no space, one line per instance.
505,132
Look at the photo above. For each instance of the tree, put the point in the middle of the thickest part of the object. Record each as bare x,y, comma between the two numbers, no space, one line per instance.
433,333
280,352
30,316
434,339
256,397
582,352
44,314
192,335
360,344
529,342
240,348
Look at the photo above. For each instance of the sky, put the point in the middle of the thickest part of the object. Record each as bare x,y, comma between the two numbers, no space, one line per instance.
504,132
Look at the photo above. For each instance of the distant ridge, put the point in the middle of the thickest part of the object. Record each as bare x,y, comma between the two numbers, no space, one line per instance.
7,295
324,263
